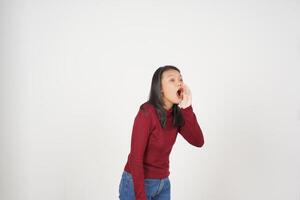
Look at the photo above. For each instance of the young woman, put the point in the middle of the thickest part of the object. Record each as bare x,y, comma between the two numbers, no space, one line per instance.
167,112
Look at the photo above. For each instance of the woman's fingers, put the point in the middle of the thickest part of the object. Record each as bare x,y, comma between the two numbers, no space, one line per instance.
186,89
187,95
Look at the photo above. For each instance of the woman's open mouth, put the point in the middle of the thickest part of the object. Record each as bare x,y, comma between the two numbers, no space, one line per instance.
179,92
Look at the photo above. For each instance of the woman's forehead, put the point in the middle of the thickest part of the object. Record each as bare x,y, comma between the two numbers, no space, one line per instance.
170,73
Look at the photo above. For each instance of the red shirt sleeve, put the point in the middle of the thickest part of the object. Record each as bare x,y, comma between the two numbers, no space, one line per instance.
139,140
191,130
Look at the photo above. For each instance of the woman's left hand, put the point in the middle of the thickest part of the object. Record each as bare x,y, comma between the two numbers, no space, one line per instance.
186,97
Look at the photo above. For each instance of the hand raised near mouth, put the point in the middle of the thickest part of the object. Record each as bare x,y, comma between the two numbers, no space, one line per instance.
186,96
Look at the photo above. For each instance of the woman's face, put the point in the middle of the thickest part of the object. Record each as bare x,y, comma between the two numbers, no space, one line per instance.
171,86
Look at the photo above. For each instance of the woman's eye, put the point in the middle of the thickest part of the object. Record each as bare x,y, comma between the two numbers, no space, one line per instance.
181,80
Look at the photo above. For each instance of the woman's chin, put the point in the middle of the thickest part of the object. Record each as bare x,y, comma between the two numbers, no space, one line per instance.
177,100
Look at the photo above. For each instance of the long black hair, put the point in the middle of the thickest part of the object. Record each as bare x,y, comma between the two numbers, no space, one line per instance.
155,98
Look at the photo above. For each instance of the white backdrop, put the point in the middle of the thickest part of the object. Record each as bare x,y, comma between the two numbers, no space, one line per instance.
73,74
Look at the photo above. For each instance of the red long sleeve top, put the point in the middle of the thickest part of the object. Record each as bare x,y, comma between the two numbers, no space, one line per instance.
151,144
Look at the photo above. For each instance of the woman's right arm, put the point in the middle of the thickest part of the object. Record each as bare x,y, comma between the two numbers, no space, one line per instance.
139,140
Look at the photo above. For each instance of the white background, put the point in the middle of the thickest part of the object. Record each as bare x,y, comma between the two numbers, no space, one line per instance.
73,74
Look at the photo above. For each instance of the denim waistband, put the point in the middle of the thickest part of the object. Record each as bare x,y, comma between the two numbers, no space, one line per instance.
129,175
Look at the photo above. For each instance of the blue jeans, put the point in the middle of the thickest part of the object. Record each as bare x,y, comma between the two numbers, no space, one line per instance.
156,189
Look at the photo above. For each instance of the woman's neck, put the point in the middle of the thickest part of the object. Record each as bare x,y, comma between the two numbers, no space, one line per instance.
168,106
